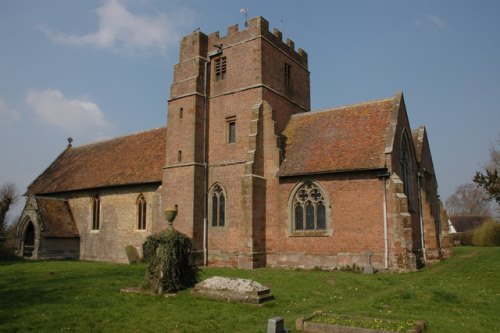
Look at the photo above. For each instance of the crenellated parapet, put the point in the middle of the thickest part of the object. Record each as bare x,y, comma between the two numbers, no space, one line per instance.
199,44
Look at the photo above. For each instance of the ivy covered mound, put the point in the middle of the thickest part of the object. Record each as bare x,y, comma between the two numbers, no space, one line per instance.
172,262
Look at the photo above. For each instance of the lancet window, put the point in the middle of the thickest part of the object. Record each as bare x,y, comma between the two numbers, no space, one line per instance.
217,206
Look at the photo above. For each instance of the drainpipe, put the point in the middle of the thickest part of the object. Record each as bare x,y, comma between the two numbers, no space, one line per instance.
422,239
205,152
205,167
384,175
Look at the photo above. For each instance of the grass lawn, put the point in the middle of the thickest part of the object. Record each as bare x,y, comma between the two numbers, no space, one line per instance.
461,294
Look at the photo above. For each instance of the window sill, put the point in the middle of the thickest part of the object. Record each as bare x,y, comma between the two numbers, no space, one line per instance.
311,233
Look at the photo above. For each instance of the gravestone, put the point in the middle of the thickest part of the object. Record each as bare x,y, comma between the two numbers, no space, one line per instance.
368,268
132,254
277,325
233,289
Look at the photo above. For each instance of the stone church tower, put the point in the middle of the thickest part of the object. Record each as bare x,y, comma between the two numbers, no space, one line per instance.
221,89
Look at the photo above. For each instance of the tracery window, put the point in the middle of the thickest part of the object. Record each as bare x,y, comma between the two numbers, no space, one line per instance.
309,210
407,169
96,212
218,206
141,213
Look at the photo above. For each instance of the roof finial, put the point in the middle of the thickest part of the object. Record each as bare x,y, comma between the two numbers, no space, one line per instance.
70,139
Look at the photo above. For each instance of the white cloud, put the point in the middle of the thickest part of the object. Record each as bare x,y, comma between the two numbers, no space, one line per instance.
73,115
7,114
120,28
432,21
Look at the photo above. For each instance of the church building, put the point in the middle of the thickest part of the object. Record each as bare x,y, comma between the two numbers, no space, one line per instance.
258,179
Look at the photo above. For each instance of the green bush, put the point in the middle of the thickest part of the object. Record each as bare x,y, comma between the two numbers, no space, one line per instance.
172,262
487,235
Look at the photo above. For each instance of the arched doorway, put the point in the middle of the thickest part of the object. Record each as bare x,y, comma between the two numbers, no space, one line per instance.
29,240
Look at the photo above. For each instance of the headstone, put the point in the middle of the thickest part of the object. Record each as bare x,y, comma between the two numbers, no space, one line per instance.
368,268
132,254
276,325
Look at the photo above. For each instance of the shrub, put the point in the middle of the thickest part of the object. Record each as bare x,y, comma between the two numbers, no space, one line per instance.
172,262
8,245
487,235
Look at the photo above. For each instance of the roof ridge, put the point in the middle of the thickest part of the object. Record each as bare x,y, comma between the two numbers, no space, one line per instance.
343,107
118,137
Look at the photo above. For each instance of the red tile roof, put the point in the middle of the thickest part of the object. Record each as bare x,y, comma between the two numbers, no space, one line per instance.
342,139
133,159
466,223
56,218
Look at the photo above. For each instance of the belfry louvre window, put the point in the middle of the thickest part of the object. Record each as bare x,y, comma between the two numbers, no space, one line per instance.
220,68
141,213
96,212
218,206
288,74
309,211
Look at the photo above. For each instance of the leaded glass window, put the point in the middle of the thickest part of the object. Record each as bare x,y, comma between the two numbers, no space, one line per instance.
309,210
141,213
218,206
407,169
96,211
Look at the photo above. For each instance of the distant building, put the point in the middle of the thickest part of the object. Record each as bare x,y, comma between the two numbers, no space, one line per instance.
466,223
258,179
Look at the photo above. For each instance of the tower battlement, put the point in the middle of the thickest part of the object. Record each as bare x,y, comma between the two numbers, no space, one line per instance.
198,43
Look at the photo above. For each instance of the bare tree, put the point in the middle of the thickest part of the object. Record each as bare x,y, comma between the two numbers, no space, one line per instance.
8,197
468,199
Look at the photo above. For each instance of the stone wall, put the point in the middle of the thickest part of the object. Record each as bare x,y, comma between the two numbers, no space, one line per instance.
59,248
118,221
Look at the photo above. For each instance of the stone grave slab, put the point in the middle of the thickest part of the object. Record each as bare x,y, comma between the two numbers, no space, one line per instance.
233,289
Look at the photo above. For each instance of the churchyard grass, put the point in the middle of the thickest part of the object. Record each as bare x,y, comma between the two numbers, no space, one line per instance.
461,294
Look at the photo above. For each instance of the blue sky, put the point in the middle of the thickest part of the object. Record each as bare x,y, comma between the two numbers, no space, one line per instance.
98,69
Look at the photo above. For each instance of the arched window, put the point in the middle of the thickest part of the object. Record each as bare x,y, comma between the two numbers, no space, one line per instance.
217,206
309,209
96,212
407,169
141,212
